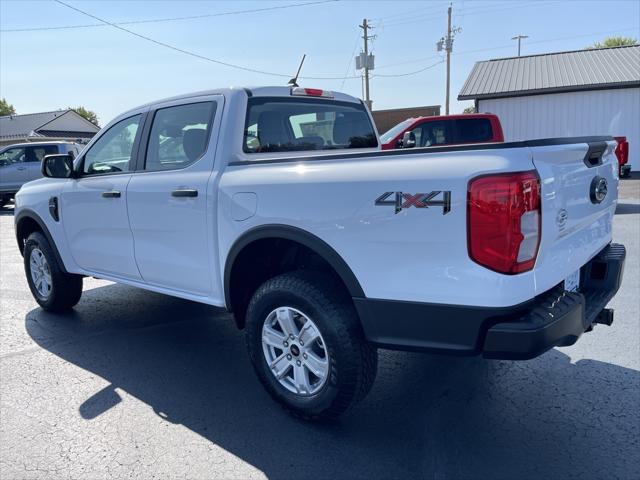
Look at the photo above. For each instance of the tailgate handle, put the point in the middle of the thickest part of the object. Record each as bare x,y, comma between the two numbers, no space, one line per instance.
594,154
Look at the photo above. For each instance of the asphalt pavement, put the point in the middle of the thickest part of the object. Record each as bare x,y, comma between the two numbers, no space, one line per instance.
133,384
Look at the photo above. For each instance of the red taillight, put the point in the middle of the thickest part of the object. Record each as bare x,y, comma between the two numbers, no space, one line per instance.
503,221
622,150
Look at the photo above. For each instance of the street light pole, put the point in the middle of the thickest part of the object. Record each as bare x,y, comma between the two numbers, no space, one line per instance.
519,38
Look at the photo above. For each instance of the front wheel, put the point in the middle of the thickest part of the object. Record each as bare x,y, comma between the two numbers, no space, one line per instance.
53,289
307,346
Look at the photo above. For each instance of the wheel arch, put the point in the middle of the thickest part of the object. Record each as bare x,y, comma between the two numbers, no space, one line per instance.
27,222
291,234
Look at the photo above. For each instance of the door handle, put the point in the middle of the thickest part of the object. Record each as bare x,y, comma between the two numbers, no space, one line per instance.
185,192
111,194
22,168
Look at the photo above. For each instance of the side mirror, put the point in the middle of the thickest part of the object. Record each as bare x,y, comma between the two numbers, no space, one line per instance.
57,166
409,140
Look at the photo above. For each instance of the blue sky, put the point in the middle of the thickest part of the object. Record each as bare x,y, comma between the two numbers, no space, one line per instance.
109,70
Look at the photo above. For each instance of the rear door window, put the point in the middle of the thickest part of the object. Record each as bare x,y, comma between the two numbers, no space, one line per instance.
473,130
37,152
179,135
289,125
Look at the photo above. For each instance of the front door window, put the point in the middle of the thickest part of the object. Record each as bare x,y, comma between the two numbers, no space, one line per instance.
113,151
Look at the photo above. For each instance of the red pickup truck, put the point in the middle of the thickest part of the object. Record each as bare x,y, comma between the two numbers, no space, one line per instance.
444,130
622,153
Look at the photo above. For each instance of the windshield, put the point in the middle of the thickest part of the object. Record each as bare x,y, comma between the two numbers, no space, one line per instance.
391,133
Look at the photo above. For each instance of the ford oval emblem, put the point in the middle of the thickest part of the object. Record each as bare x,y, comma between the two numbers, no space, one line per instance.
561,218
598,189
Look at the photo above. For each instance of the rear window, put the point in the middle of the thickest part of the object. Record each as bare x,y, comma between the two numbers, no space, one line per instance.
473,130
290,125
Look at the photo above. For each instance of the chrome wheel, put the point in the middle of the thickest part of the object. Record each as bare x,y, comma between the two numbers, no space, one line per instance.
295,351
40,272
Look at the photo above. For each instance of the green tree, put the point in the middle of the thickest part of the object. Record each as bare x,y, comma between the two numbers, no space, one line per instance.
615,42
471,109
6,108
87,114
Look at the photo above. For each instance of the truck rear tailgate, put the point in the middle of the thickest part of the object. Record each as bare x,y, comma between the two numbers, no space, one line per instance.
579,184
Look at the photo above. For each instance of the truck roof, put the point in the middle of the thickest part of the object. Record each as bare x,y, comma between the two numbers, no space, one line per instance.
265,91
32,144
456,116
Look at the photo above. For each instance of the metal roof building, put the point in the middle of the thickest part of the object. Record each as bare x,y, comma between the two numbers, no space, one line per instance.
583,92
580,70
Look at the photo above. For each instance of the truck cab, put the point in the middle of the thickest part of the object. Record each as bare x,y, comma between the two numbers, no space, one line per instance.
443,131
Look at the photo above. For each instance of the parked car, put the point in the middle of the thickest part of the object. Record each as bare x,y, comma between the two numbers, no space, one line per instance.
324,247
622,153
442,131
20,163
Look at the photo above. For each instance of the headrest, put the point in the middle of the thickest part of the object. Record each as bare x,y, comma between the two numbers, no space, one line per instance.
193,143
349,125
314,141
271,130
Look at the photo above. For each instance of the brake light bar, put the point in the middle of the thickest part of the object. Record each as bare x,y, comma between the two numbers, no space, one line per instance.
311,92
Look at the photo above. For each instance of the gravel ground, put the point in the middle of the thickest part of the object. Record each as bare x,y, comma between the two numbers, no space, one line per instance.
137,385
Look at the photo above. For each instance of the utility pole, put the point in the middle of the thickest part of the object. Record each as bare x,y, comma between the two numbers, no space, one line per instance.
449,45
446,44
365,27
519,38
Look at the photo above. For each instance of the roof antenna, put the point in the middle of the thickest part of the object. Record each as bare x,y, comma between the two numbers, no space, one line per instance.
294,81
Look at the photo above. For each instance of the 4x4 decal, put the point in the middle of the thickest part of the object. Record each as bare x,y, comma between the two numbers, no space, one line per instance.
401,200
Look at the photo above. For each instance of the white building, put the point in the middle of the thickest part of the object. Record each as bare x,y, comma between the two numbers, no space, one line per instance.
584,92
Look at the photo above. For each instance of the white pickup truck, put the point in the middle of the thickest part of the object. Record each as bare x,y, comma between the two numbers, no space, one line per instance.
277,204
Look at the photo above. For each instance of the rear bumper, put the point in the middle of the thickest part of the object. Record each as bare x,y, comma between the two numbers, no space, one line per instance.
555,318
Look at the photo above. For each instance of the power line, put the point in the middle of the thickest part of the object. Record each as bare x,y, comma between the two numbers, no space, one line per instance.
169,19
408,73
353,54
501,47
429,17
405,14
187,52
510,46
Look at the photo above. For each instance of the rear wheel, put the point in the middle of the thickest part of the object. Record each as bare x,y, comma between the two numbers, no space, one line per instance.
53,289
307,346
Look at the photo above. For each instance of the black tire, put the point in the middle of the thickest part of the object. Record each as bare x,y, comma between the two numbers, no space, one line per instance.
66,289
353,362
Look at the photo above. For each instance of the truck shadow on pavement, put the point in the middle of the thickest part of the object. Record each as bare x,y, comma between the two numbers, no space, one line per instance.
426,416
